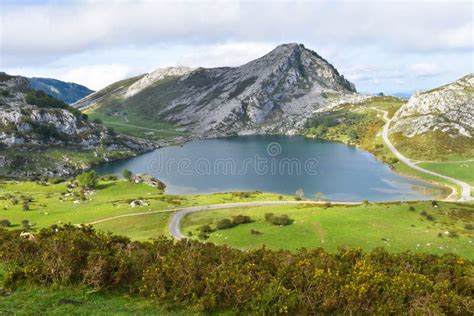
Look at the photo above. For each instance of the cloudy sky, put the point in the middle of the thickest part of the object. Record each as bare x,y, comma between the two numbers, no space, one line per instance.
388,46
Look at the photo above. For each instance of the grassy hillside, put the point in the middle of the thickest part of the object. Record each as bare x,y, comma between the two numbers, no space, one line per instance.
131,123
395,226
359,125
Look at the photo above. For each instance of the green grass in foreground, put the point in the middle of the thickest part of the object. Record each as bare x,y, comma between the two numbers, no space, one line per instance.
392,226
34,300
54,204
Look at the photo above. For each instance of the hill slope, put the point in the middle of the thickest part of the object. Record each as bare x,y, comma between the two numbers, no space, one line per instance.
275,93
32,122
439,123
68,92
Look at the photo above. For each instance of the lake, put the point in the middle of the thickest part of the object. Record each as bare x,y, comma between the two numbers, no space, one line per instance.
280,164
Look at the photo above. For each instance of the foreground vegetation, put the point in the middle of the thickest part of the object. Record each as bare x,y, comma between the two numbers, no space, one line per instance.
205,277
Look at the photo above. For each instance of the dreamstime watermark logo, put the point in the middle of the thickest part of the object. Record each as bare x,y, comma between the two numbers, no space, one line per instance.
273,149
271,163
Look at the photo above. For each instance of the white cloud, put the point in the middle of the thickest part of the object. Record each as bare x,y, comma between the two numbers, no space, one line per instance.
424,69
225,54
97,76
374,44
53,29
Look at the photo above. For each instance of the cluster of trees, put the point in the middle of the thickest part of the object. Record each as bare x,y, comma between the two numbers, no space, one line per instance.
210,278
43,100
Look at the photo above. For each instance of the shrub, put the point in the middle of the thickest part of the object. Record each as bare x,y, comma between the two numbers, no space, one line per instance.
203,236
241,219
469,226
88,180
26,205
411,208
453,234
281,220
25,224
205,229
5,223
224,224
255,232
268,216
127,174
430,217
262,281
423,213
434,203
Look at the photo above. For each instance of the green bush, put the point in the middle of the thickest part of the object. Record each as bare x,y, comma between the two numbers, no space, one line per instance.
224,224
205,229
214,279
241,219
127,174
88,180
281,220
5,223
469,226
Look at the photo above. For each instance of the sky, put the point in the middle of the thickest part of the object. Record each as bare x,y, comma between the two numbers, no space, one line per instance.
381,46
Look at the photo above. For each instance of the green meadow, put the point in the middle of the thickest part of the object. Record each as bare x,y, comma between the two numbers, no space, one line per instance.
395,226
56,204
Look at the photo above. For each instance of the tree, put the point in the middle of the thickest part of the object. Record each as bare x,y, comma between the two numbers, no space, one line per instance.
88,180
319,196
299,193
127,174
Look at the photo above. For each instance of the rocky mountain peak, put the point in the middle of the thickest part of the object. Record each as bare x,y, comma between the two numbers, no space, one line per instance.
449,109
274,93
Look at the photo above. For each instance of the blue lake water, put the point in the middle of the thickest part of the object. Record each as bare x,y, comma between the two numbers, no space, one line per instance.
280,164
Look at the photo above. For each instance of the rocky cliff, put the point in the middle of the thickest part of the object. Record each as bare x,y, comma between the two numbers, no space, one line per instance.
32,121
448,109
276,93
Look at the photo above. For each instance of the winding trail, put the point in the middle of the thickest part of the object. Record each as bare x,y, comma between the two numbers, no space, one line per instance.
174,225
466,188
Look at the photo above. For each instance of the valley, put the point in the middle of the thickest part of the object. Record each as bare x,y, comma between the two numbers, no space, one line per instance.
152,190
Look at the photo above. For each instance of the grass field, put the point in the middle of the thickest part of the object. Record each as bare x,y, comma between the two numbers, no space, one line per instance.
393,226
55,204
135,125
460,170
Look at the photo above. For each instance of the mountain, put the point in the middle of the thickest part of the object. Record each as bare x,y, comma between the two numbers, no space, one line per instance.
32,121
437,124
65,91
275,93
449,109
